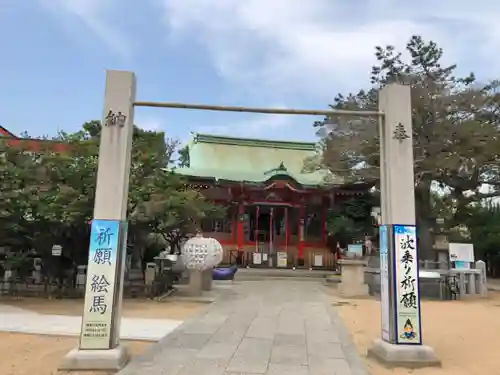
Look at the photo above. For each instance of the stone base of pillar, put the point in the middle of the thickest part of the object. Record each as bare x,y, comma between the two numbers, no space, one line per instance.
207,280
409,356
352,279
199,281
195,286
95,360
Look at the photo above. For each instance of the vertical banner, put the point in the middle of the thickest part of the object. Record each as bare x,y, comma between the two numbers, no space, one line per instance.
384,282
407,294
100,286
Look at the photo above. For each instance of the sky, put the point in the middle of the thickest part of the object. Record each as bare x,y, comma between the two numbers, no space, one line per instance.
280,53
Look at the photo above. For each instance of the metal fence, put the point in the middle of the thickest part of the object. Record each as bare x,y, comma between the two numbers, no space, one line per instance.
16,287
437,279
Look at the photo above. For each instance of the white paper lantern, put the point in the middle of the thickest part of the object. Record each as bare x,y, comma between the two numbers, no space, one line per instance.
200,253
217,252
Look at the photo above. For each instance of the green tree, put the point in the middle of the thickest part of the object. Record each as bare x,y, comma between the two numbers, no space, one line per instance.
18,176
483,226
47,197
351,219
183,160
455,127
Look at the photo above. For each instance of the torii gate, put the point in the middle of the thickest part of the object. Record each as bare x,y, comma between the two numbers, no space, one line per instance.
401,342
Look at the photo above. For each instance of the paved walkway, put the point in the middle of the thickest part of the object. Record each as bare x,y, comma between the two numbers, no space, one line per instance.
268,327
13,319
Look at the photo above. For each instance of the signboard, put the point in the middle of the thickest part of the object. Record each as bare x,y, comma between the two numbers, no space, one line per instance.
56,250
407,295
462,254
257,258
460,265
100,287
384,281
318,260
282,259
355,250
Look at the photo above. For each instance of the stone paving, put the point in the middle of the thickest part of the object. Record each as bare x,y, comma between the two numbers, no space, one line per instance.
13,319
268,327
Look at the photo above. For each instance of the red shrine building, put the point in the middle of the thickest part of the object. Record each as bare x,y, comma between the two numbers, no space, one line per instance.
31,144
277,213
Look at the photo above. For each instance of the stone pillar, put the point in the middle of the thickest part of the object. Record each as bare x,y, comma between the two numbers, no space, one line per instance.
199,282
483,281
99,347
207,279
195,285
462,284
472,283
401,342
151,272
8,281
352,279
81,276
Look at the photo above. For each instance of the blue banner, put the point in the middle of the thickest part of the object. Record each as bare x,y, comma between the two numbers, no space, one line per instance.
407,288
384,281
104,240
101,282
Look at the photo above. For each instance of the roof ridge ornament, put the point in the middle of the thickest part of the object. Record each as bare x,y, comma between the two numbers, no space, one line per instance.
280,168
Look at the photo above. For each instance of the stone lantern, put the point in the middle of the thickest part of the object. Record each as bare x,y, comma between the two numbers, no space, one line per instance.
200,255
441,246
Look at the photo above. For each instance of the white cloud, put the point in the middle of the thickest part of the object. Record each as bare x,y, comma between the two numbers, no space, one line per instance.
319,47
96,16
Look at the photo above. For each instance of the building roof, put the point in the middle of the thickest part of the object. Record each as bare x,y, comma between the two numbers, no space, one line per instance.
34,145
251,160
5,133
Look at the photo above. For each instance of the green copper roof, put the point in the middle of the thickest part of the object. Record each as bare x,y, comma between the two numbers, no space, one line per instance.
250,160
253,142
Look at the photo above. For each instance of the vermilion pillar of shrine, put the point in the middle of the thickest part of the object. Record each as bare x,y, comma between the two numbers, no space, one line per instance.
302,214
239,226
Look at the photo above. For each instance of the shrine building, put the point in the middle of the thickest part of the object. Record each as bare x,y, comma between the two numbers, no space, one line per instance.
277,213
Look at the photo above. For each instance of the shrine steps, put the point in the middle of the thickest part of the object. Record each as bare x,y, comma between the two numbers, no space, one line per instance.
256,274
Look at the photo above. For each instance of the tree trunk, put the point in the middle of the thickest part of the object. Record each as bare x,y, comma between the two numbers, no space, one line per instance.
424,219
462,210
426,240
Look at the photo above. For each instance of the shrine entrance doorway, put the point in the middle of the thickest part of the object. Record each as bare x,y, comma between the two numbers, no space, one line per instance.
271,231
